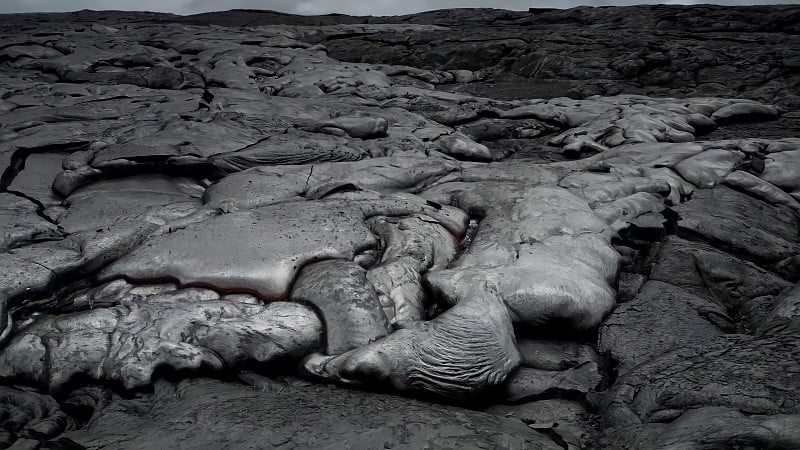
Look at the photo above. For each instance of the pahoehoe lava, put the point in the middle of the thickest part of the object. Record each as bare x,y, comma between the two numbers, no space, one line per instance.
469,228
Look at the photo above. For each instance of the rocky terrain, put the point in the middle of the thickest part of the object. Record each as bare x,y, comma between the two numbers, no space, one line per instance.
455,229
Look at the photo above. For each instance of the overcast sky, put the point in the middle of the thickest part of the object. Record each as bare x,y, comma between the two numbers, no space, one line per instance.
355,7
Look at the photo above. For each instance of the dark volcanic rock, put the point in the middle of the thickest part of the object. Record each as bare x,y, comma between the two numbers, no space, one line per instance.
737,223
712,50
569,420
293,414
659,319
347,302
757,376
28,415
584,223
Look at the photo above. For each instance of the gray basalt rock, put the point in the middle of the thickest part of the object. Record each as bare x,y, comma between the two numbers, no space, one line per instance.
281,413
183,329
463,353
781,170
456,145
737,110
659,319
757,187
286,236
346,301
756,375
389,203
22,224
554,355
28,415
522,247
111,201
264,185
743,290
570,420
35,180
784,315
283,238
412,246
710,426
770,237
527,384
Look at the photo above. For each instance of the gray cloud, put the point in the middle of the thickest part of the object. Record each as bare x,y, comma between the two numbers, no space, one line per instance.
356,7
